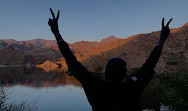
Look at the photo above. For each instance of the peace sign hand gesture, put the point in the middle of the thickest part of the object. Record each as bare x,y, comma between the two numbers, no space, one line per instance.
165,30
53,23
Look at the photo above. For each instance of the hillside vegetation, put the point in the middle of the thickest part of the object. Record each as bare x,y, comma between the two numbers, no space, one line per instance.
136,51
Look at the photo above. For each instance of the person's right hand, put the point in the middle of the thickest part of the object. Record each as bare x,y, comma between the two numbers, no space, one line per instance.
165,31
53,23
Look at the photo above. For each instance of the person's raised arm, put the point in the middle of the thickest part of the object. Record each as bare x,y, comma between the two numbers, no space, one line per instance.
147,70
155,54
71,60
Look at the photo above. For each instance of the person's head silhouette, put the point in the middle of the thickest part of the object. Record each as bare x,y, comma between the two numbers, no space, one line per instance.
115,70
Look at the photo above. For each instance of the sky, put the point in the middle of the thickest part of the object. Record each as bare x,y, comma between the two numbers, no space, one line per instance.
90,20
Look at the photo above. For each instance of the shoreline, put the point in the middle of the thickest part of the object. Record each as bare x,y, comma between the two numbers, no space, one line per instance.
17,66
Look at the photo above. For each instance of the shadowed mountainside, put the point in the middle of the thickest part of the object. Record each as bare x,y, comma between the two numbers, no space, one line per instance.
136,51
11,56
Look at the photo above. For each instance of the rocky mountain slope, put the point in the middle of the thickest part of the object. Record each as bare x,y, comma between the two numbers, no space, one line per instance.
11,56
136,51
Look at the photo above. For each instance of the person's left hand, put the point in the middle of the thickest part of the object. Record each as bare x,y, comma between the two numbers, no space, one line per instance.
53,23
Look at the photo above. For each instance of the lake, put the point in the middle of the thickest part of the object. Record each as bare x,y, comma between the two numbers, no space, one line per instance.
53,90
49,91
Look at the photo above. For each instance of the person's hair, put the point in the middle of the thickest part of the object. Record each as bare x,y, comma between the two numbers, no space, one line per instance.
115,70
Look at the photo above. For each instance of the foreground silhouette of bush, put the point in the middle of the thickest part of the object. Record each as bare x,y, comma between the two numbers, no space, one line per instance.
5,106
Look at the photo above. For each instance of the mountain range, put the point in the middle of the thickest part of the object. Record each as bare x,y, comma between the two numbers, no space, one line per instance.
93,55
135,52
39,50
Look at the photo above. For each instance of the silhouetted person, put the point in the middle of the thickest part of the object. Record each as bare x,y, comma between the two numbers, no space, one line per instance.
112,94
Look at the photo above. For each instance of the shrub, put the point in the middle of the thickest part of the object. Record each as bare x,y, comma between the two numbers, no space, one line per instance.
4,106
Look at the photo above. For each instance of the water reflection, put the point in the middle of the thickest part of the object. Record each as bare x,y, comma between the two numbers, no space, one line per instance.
53,91
35,77
56,91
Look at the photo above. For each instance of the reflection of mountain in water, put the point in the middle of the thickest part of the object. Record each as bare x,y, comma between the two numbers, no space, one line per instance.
48,66
35,77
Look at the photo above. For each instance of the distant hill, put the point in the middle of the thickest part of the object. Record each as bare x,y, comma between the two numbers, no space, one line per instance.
42,50
41,43
109,46
48,66
11,56
136,51
18,45
108,40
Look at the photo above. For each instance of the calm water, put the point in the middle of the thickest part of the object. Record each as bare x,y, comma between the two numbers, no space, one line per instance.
52,91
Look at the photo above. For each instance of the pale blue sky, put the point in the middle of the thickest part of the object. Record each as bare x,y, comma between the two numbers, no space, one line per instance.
88,19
